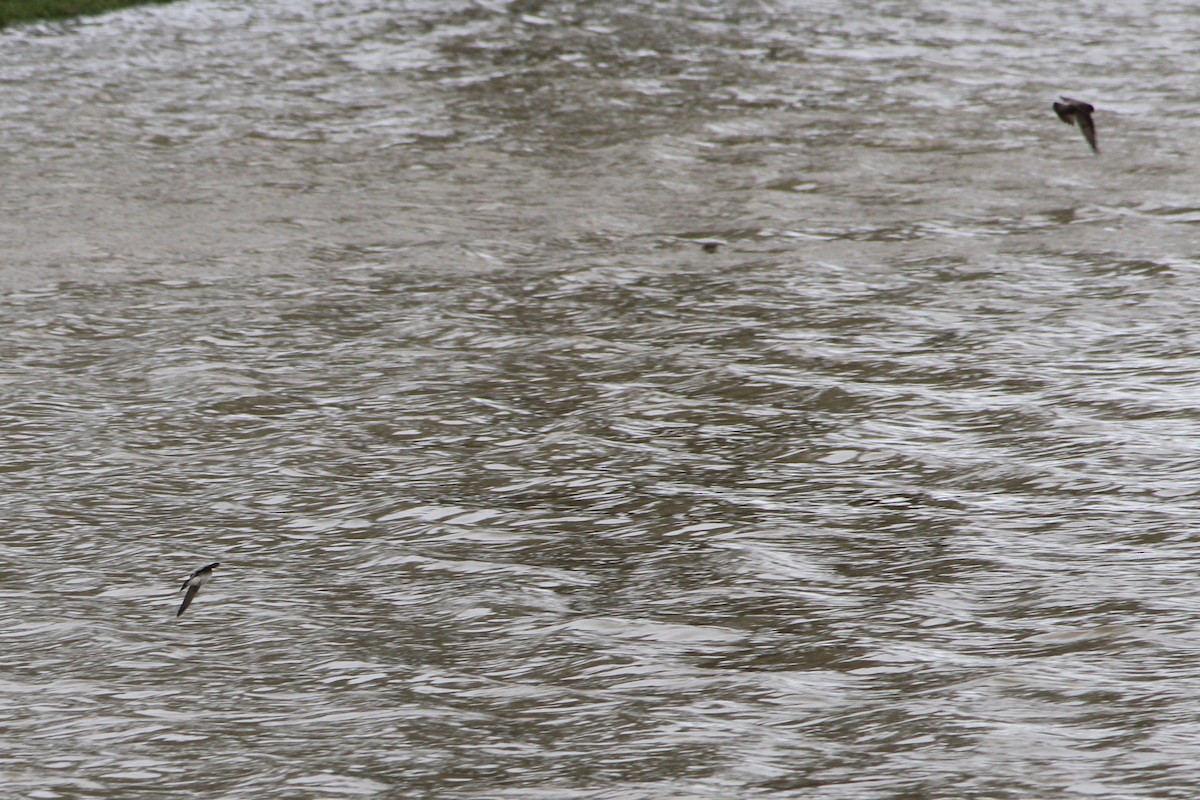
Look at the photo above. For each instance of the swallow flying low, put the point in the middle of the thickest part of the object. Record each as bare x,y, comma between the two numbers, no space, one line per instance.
193,584
1077,112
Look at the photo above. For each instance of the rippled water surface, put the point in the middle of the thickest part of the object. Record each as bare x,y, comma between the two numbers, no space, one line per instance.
399,310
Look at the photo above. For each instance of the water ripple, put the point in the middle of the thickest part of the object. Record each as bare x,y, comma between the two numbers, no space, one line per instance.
400,311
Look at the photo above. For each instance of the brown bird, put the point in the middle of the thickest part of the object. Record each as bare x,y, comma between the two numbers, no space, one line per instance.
1077,112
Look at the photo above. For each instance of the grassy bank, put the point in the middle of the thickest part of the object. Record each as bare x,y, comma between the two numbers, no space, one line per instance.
15,11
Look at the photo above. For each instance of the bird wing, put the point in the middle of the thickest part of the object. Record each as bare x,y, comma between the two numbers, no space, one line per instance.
1089,130
187,599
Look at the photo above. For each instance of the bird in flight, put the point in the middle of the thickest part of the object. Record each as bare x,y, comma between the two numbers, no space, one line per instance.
193,584
1077,112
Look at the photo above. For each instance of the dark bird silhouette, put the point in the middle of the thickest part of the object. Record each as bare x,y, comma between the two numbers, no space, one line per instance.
193,584
1077,112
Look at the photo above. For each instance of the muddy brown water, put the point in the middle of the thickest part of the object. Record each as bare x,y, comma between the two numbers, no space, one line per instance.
400,310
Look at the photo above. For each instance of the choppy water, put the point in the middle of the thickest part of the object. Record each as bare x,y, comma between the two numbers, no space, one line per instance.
399,311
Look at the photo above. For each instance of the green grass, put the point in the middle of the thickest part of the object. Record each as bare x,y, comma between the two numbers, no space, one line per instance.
14,11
